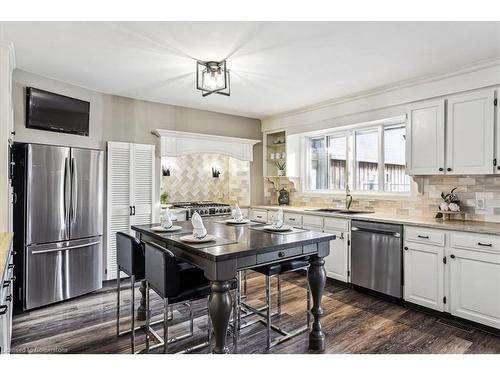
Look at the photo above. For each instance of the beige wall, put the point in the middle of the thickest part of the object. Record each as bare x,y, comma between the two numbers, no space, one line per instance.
114,118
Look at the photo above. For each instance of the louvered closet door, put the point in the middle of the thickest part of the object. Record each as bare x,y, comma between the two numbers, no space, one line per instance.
143,183
119,198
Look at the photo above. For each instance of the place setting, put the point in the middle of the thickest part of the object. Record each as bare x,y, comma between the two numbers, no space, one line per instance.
279,226
167,220
200,236
237,218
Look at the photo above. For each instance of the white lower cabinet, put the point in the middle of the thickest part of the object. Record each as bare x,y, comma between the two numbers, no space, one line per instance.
337,262
258,215
424,275
475,286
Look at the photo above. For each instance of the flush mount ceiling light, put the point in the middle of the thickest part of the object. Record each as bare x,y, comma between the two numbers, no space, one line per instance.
212,77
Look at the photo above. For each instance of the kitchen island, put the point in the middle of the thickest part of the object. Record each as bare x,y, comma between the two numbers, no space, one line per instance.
244,247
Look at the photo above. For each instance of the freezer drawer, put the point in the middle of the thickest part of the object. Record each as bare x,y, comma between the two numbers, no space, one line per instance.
58,271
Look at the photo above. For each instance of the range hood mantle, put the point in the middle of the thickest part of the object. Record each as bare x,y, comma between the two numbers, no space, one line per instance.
177,143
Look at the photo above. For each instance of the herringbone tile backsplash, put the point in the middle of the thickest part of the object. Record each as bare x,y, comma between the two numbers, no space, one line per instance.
191,179
469,188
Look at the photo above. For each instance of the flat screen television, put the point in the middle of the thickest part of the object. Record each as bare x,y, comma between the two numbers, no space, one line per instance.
48,111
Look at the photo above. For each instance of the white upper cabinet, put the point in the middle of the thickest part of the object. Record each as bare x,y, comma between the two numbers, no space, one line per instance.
293,154
470,133
497,130
425,138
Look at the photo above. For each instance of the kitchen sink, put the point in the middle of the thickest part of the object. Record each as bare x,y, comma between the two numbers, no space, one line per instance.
341,211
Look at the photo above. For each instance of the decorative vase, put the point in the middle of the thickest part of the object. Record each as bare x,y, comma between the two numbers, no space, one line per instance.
443,206
283,197
454,207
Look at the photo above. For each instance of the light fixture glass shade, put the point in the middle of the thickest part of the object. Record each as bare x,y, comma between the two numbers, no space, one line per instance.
212,77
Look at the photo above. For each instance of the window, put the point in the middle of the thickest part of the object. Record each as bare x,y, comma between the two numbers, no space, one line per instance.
395,177
368,159
317,164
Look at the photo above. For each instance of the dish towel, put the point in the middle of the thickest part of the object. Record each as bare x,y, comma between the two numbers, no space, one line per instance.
279,219
167,221
199,230
238,215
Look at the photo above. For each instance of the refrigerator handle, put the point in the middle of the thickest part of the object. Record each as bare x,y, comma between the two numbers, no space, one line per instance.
74,190
66,192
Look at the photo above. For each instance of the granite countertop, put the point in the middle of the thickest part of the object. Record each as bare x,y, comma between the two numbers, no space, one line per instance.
5,241
464,226
247,241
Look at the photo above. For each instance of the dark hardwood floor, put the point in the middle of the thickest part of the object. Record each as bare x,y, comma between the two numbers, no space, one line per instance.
353,322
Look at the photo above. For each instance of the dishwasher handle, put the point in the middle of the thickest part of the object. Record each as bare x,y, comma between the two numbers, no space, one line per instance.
388,233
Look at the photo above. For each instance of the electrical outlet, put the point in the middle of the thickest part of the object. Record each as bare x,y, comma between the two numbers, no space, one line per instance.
480,204
220,195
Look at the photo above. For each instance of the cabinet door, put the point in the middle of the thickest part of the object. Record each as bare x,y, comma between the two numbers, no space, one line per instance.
425,138
259,215
119,197
470,133
336,263
142,189
424,275
497,131
475,286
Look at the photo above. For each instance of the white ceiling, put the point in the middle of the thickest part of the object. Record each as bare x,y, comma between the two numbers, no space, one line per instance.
275,66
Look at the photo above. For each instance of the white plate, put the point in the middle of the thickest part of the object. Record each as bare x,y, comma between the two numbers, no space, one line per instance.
173,228
236,222
191,238
284,228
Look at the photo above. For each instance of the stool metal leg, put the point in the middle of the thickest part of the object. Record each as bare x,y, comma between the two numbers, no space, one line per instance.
268,315
165,325
238,300
118,303
279,294
148,316
245,282
308,308
235,321
132,306
191,320
209,327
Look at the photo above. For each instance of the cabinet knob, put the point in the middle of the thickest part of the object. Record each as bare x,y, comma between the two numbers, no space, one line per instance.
406,247
441,169
448,169
498,167
3,309
281,254
452,256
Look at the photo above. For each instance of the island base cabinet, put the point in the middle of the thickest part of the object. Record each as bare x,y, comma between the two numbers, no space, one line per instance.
336,263
475,286
424,275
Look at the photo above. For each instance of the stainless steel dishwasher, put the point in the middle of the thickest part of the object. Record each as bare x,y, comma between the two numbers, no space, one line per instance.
377,256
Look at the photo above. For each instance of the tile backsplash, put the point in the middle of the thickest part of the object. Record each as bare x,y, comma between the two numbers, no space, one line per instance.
469,188
191,179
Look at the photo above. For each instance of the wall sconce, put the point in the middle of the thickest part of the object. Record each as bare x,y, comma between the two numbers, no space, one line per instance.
165,171
215,172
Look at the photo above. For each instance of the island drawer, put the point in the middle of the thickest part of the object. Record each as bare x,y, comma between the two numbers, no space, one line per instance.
425,235
280,254
312,221
474,241
293,219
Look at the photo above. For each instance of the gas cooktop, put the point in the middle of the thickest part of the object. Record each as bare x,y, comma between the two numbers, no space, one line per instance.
204,208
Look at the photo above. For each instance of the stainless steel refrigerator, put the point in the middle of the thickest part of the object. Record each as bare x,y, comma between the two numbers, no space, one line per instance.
58,218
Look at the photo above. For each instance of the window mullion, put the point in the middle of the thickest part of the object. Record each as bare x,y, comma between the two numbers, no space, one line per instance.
381,162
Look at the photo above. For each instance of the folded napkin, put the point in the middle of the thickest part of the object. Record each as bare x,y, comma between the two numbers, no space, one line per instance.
166,220
199,230
279,219
238,215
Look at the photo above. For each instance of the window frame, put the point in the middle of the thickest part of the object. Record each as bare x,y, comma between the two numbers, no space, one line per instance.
350,134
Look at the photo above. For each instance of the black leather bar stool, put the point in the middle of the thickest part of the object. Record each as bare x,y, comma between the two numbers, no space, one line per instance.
130,260
176,284
276,270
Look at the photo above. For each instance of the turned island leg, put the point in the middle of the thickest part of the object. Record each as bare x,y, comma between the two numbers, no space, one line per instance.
317,279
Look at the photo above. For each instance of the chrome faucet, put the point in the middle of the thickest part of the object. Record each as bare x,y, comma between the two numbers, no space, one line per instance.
348,197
